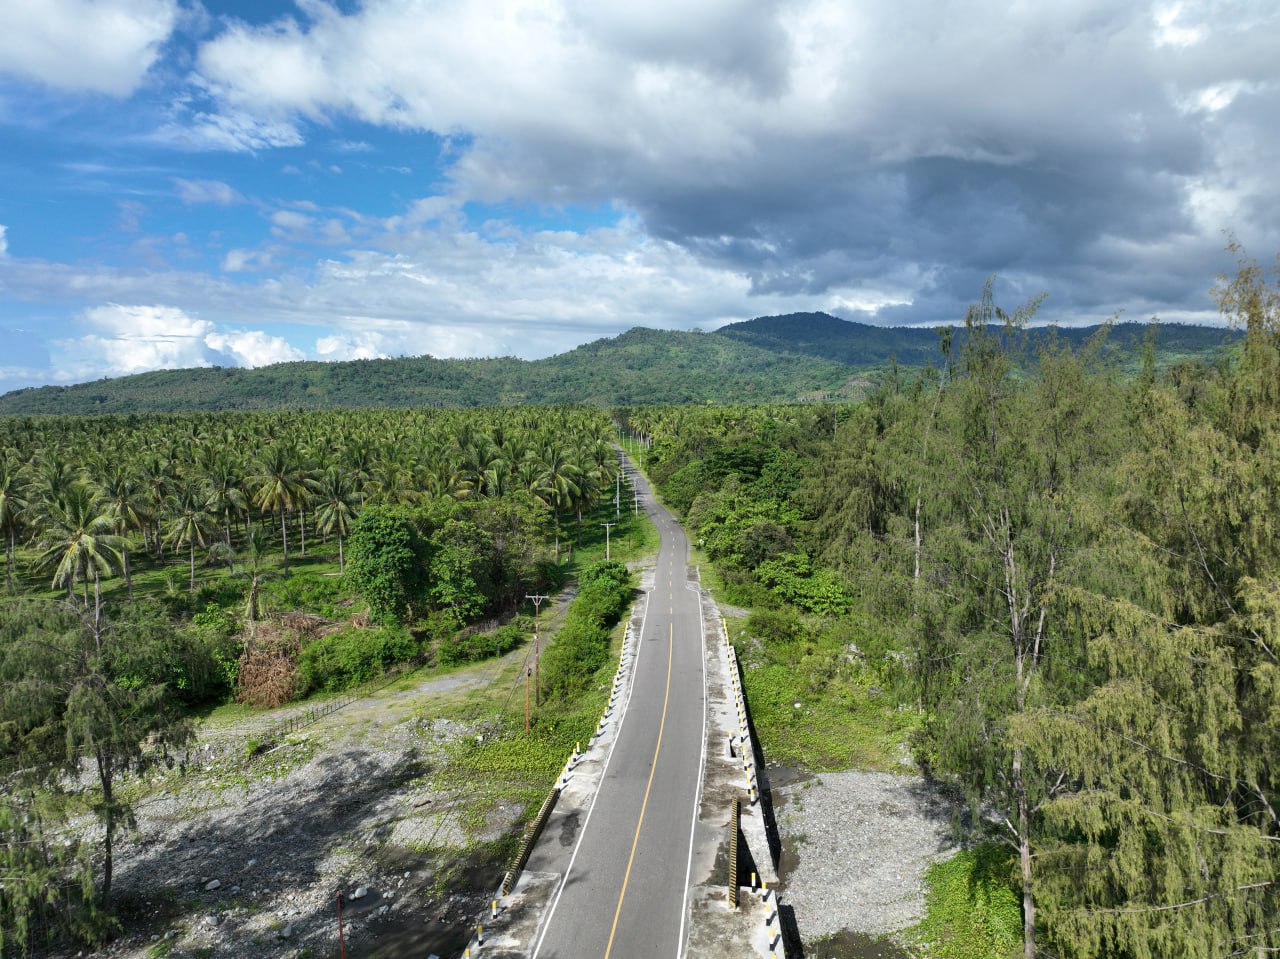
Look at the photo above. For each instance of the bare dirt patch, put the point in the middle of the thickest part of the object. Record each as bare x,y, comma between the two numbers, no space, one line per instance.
245,850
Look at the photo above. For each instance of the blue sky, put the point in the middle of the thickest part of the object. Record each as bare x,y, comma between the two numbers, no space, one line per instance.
239,183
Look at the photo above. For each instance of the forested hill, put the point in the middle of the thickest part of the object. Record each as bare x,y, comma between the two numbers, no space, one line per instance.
862,346
770,359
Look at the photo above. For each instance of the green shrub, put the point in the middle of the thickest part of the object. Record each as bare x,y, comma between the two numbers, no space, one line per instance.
311,593
351,657
599,603
793,577
569,664
972,909
581,646
217,620
180,603
609,571
742,589
470,649
775,627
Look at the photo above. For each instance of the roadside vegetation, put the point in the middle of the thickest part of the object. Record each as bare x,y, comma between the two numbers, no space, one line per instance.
575,678
1065,576
163,569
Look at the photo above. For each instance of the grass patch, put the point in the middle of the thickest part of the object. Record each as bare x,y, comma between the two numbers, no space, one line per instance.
508,764
633,537
972,908
813,701
314,575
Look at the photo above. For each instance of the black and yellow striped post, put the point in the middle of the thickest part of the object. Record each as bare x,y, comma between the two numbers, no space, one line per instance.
734,825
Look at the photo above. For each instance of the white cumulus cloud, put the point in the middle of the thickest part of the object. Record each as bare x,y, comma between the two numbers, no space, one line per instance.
100,46
253,347
364,345
206,191
134,339
4,240
815,146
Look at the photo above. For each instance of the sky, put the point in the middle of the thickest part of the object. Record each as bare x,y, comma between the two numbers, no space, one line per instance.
243,182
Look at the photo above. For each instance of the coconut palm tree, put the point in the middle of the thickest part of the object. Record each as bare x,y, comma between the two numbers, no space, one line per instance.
336,505
13,504
557,484
78,541
391,484
358,458
189,519
282,483
254,568
52,479
121,489
158,477
223,478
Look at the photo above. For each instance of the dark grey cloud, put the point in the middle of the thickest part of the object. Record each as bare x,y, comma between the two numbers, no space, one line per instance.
878,159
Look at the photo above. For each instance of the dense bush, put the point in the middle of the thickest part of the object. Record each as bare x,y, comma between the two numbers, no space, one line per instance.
581,646
604,591
353,656
180,602
477,646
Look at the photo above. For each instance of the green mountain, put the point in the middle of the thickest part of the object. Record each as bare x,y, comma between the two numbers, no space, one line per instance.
863,347
769,359
639,367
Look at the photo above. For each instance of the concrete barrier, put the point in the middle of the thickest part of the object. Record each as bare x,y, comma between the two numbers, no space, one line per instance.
530,839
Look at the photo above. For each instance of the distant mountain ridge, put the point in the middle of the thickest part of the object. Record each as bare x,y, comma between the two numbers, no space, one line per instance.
863,346
767,359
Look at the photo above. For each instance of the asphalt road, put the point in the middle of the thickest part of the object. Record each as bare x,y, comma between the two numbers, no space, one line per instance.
624,893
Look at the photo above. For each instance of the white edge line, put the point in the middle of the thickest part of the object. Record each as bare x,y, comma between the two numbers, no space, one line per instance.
681,946
564,880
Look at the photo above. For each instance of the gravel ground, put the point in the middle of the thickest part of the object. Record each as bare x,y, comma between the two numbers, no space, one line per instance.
244,855
855,849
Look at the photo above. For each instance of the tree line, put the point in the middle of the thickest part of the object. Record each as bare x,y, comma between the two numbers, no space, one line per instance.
90,493
1073,575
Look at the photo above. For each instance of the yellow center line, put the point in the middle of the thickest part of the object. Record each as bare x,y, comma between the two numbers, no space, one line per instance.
626,877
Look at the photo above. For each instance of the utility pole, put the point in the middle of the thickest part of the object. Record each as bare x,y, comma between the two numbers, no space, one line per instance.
617,494
607,527
537,688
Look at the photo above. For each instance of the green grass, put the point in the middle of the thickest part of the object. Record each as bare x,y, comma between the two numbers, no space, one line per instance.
842,721
510,765
632,538
708,575
972,908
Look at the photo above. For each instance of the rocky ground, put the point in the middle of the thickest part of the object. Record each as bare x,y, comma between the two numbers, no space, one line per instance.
244,854
855,849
